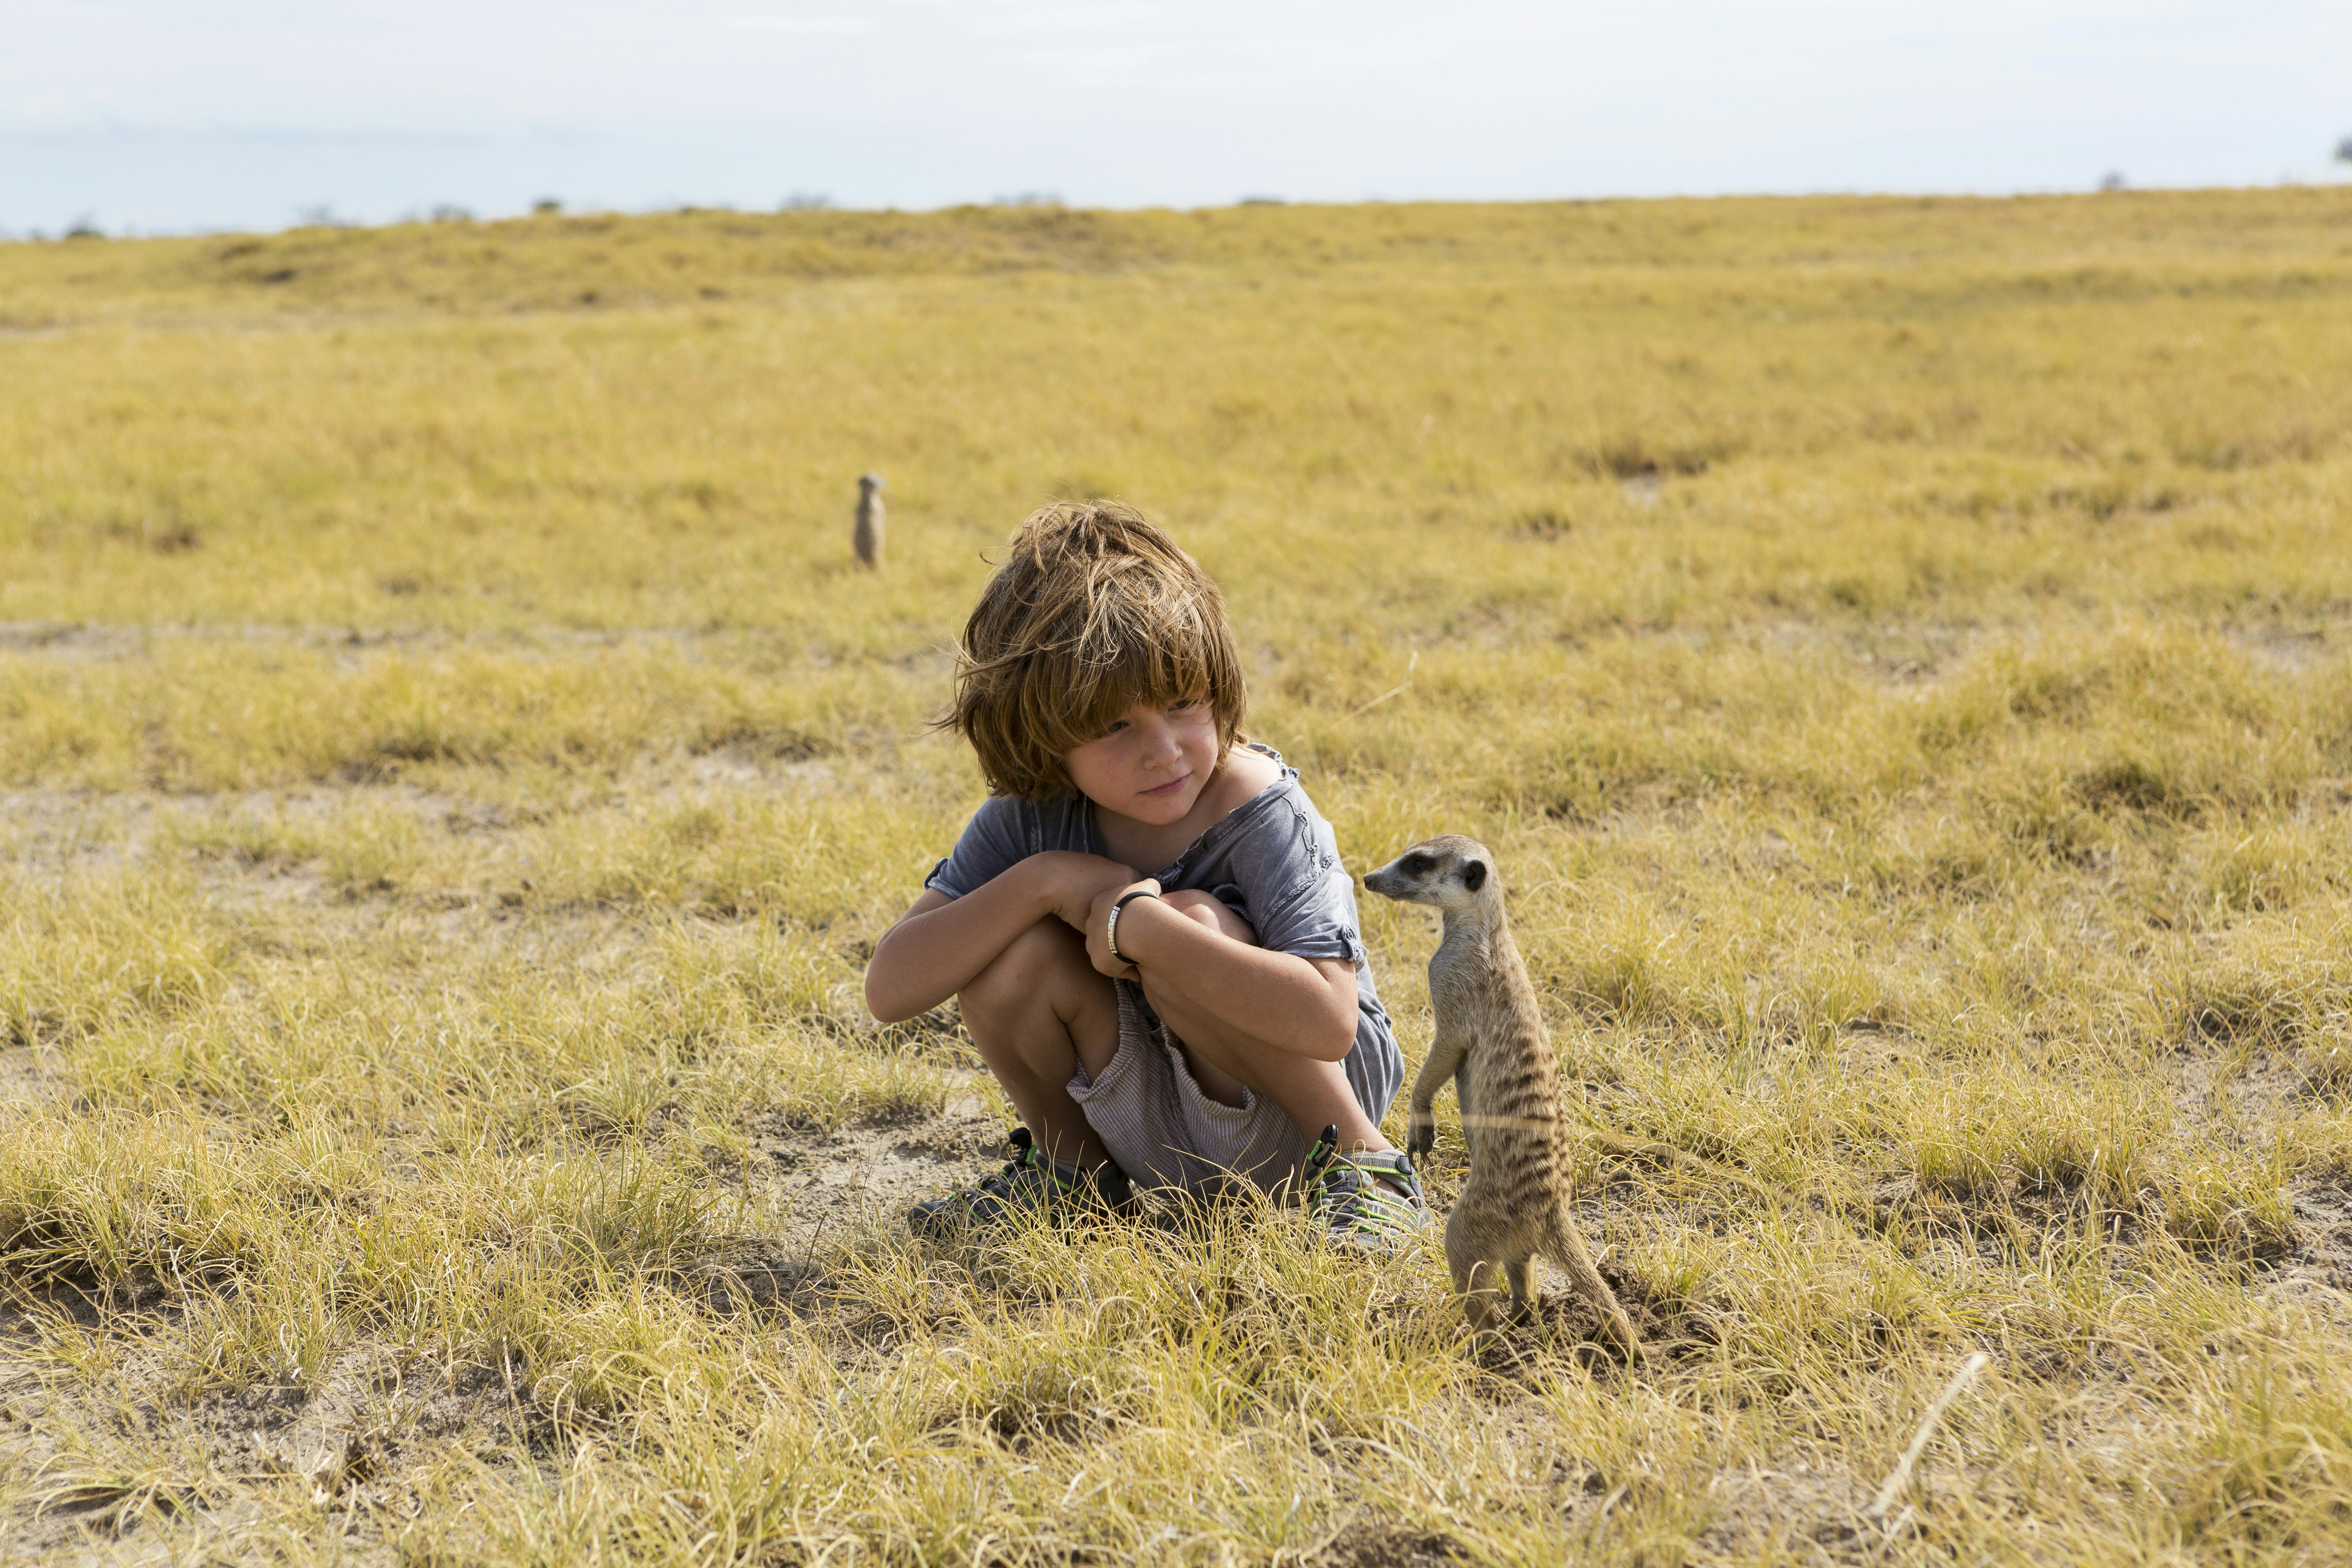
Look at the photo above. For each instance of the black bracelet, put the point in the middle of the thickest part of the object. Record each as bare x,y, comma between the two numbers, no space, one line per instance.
1111,926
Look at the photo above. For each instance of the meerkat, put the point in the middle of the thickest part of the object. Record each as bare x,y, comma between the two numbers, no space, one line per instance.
868,537
1491,1041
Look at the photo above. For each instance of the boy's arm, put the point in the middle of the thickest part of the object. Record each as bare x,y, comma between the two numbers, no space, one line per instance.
941,943
1305,1005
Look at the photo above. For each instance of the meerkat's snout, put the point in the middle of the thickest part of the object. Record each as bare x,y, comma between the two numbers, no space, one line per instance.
1446,871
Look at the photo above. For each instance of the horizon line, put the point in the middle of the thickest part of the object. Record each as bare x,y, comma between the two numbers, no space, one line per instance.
808,205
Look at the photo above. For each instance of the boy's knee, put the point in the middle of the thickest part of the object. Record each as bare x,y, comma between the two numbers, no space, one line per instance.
1026,971
1210,911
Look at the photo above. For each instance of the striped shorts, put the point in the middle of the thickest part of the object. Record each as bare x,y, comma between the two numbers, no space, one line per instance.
1162,1130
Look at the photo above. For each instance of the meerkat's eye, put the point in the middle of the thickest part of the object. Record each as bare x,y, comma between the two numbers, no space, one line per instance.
1415,865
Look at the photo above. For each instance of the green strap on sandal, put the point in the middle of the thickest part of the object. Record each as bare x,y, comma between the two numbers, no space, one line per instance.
1028,1183
1362,1199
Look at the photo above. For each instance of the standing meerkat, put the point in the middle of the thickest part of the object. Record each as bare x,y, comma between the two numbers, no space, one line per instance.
1492,1042
868,537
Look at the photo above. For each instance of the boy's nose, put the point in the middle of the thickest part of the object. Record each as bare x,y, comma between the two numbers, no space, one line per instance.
1160,741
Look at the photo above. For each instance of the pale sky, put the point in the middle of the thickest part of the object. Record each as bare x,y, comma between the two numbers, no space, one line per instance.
243,113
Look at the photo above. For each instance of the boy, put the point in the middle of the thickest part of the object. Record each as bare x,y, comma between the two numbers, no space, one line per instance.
1209,1019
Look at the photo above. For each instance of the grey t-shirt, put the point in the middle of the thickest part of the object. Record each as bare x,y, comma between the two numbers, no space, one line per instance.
1272,860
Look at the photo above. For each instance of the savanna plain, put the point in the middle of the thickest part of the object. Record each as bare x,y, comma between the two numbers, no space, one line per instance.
452,773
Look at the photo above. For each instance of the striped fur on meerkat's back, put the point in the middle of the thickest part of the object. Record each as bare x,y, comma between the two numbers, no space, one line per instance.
1506,1088
1490,1039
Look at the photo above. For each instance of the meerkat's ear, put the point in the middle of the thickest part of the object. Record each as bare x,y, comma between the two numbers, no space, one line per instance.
1474,875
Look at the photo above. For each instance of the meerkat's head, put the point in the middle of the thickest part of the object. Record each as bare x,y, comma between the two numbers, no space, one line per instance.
869,482
1450,871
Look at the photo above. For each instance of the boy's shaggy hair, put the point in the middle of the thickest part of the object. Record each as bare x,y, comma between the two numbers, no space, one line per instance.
1093,611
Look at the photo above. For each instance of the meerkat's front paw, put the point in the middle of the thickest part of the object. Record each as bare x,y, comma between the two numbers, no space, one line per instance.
1423,1137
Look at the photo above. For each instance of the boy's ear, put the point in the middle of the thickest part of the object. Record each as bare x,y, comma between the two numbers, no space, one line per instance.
1474,875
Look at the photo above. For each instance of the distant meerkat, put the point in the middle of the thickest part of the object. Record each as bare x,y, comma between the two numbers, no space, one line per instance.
868,537
1492,1042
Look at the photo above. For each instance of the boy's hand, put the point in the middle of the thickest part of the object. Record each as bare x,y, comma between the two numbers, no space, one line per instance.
1075,882
1097,927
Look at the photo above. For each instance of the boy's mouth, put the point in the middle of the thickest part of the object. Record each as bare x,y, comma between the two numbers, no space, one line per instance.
1168,790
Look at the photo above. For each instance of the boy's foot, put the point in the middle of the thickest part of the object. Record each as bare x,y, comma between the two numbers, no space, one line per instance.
1363,1199
1029,1184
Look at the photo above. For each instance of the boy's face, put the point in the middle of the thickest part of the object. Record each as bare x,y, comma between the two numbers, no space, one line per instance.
1153,762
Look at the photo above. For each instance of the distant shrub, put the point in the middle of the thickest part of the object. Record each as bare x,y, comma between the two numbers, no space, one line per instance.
2124,783
1634,456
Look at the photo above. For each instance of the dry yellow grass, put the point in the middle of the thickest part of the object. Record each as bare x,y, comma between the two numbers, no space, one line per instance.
454,773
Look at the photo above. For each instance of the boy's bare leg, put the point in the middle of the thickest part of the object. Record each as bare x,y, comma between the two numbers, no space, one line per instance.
1037,1013
1313,1094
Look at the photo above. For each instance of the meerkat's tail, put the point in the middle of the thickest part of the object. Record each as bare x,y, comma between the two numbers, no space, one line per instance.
1565,1247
